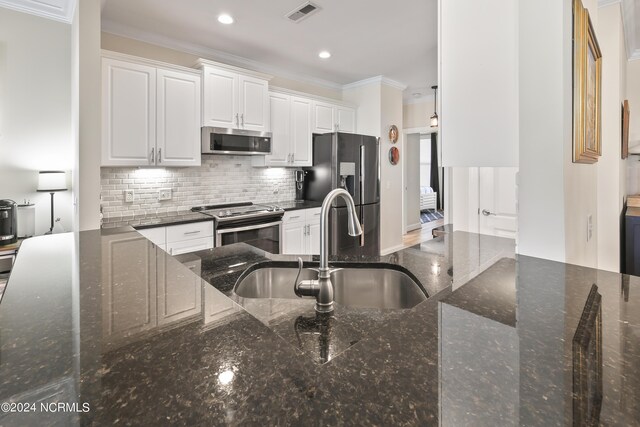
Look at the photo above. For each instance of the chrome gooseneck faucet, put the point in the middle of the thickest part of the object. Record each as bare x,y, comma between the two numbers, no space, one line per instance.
322,289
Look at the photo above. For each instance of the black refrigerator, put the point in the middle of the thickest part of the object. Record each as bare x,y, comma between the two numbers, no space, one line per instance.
349,161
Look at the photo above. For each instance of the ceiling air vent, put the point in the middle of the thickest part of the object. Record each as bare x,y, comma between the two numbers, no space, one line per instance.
303,11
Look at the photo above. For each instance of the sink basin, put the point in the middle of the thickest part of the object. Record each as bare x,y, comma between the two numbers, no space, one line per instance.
382,288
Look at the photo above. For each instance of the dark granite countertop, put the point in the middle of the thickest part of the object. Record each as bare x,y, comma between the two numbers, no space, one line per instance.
143,338
140,222
160,219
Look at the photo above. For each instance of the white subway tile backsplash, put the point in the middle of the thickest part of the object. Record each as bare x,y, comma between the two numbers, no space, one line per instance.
220,179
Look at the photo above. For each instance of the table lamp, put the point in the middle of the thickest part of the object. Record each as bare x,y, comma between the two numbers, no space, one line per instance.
52,182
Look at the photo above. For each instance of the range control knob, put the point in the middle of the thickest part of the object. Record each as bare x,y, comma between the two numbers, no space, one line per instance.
221,213
228,213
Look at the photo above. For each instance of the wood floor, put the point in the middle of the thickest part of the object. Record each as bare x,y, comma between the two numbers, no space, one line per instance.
422,235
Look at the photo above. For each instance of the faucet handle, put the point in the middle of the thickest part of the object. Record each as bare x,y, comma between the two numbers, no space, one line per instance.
295,283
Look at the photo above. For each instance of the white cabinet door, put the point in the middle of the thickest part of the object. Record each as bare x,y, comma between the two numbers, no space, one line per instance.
220,98
312,220
253,103
293,236
280,107
301,109
323,117
346,119
178,124
129,287
128,113
179,291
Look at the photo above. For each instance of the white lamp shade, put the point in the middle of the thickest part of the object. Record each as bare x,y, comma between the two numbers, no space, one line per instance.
52,181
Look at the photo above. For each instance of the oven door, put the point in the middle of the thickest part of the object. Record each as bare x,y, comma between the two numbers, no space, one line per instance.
267,237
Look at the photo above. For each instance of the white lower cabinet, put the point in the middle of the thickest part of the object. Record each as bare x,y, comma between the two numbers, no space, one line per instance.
144,289
179,293
301,232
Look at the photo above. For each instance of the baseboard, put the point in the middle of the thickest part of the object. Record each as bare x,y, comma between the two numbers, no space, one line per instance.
391,250
416,226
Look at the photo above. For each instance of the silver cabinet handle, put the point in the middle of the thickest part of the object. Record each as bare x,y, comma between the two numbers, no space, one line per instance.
293,157
294,217
289,158
153,156
159,155
237,121
308,230
242,117
171,251
188,233
362,174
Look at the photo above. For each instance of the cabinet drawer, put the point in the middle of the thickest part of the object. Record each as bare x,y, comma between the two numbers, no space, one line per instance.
293,216
156,234
178,233
312,216
192,245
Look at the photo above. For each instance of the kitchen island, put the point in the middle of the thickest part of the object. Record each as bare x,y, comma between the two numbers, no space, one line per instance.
107,319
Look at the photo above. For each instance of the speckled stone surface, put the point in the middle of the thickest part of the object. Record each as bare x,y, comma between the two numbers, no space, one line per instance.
143,338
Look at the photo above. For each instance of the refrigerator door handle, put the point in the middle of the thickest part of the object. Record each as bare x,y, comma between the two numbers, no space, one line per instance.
362,175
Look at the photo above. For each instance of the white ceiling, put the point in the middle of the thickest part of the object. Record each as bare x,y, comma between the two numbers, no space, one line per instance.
366,38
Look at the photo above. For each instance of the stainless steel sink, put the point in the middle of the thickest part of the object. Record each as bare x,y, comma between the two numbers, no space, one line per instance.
354,287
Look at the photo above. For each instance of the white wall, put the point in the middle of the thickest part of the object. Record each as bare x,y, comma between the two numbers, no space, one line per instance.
611,168
380,106
416,113
478,47
545,125
90,105
35,111
633,95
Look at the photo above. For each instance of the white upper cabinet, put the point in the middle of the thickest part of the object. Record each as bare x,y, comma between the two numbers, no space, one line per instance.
233,99
280,110
324,120
150,115
128,113
220,98
254,103
346,119
328,117
178,109
301,132
290,124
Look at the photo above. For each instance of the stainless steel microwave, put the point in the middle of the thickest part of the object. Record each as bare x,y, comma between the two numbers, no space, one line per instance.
235,141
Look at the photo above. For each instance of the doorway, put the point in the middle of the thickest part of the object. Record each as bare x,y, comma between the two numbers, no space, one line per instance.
423,201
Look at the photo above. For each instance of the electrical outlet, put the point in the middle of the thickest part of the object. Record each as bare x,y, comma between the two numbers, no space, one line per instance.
164,194
589,227
128,196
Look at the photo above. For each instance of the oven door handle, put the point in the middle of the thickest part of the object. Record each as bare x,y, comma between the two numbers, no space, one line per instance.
248,227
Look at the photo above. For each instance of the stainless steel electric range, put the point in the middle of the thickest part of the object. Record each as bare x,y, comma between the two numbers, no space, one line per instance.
256,225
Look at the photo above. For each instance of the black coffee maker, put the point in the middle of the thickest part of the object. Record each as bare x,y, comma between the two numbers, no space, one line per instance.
300,176
8,222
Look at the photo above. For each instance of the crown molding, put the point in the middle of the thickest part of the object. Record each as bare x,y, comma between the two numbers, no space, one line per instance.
291,92
373,80
58,10
145,61
424,99
213,54
201,63
635,55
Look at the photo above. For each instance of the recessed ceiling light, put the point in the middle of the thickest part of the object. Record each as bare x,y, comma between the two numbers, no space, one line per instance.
225,19
324,54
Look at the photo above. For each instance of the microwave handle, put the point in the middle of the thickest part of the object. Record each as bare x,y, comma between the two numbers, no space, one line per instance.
248,227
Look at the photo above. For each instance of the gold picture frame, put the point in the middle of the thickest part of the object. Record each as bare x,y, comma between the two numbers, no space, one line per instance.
587,88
